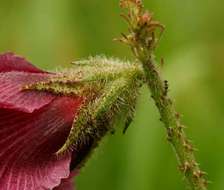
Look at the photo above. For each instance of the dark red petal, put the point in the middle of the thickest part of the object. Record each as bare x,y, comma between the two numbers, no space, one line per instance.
28,142
12,62
12,95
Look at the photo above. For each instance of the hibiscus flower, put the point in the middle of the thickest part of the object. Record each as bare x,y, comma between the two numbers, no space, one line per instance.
51,122
33,126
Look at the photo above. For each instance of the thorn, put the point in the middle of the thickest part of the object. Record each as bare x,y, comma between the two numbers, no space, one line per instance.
188,146
170,133
126,18
118,40
177,115
195,149
185,167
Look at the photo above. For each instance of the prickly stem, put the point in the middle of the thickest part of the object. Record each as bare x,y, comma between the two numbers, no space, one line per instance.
143,39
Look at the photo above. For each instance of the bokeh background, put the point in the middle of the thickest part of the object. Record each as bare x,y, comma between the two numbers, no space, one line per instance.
52,33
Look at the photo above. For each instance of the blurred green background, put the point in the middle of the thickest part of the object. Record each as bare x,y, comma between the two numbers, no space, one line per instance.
52,33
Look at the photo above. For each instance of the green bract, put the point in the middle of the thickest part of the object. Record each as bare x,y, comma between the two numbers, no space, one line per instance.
109,88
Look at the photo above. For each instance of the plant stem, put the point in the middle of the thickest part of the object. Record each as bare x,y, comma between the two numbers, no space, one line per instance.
175,130
143,39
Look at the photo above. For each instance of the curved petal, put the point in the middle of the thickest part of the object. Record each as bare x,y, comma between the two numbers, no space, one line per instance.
12,96
12,62
67,184
28,141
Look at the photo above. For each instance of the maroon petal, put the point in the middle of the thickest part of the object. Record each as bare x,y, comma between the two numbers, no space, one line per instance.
13,96
28,142
12,62
15,73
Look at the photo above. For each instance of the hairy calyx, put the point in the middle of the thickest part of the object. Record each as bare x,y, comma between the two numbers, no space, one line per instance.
109,88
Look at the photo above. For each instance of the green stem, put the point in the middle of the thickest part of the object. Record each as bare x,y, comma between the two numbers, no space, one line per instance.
143,37
175,130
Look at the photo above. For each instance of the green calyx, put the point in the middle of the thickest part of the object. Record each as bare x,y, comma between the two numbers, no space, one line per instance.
109,88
